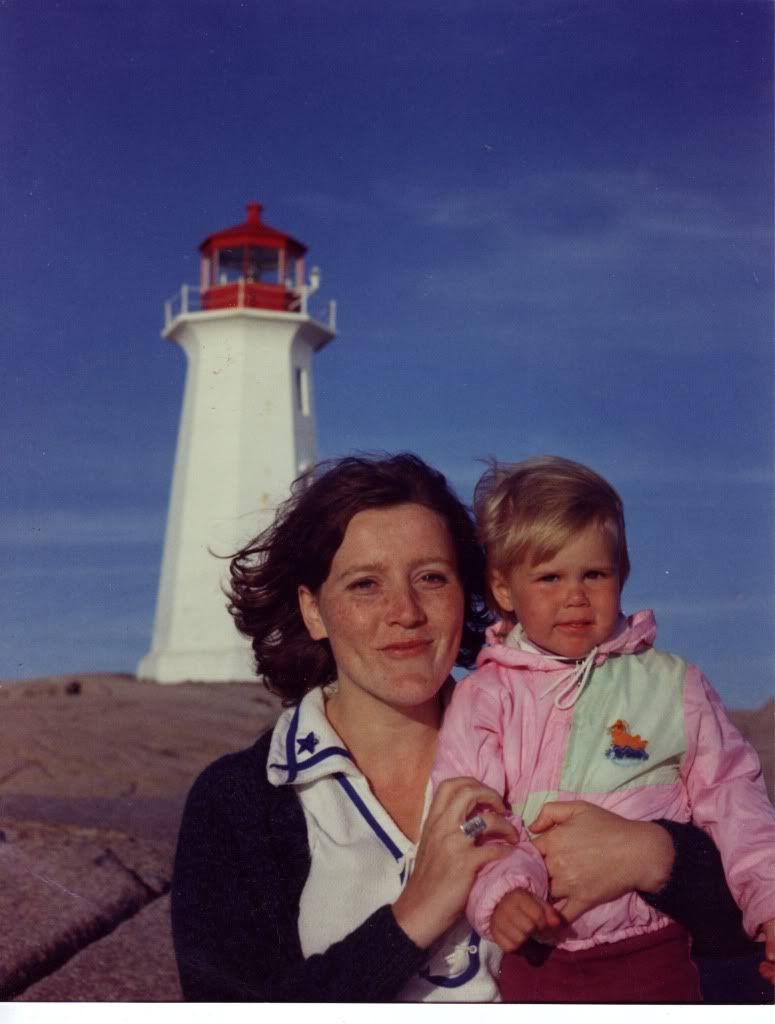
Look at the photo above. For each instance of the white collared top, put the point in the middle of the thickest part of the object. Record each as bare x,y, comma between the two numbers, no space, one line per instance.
360,859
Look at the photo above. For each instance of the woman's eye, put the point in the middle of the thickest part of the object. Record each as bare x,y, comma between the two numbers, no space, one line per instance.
362,586
434,579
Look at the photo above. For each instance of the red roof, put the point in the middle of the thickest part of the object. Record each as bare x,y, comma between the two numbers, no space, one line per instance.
252,232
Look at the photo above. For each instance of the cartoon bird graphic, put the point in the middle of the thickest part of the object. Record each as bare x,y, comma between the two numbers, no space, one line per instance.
621,736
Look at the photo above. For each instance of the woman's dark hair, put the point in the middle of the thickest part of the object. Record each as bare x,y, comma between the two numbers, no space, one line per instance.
299,546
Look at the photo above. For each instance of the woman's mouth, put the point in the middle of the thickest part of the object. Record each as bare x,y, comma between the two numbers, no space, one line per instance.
406,648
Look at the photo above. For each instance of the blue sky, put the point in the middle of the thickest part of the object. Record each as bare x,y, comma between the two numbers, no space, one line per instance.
548,226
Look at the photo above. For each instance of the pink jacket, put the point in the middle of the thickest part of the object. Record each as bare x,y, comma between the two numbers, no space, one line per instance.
641,733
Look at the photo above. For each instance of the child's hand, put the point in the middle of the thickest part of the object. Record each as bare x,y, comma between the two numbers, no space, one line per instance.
767,967
518,916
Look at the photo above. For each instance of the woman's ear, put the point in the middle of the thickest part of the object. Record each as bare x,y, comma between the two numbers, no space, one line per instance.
310,612
501,590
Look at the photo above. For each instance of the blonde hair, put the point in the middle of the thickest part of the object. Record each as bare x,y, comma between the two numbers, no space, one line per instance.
529,510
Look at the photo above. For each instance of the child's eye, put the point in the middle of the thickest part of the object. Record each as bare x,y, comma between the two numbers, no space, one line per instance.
550,577
597,574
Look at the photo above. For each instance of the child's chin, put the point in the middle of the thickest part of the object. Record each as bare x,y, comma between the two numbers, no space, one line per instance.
574,647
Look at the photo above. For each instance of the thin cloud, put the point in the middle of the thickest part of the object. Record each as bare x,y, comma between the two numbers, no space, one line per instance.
57,526
593,243
66,571
713,608
335,205
653,472
703,474
568,203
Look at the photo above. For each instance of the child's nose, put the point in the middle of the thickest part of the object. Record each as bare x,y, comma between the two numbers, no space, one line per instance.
576,595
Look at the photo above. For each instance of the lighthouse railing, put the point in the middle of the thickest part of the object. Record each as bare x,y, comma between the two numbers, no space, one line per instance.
189,300
323,312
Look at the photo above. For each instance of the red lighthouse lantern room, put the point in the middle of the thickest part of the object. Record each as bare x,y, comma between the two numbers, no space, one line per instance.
253,265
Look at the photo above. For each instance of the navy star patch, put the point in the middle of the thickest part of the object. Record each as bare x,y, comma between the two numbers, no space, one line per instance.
308,743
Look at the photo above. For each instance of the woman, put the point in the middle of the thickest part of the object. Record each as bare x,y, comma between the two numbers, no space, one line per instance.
313,867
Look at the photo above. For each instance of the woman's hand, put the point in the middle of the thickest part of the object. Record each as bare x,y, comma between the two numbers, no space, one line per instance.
447,860
593,856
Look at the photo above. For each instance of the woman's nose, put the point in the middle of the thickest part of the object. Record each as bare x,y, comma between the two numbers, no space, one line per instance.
405,608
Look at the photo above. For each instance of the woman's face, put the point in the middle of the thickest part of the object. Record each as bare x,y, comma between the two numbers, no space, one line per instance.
392,607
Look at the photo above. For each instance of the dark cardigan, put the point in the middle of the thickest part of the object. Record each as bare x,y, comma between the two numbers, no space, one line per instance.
241,864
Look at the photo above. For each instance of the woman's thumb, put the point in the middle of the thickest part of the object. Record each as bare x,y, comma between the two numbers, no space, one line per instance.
553,813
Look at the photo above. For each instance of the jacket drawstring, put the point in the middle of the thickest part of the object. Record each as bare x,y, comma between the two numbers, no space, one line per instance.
579,674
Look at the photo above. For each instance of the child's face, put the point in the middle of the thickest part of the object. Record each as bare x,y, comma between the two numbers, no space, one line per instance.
568,603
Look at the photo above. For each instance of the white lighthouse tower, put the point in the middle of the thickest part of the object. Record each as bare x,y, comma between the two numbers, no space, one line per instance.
247,430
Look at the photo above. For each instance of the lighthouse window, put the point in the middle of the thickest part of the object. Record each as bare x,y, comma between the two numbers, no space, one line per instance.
251,262
261,264
302,391
229,265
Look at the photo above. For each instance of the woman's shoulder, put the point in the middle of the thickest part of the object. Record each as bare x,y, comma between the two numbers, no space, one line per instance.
239,765
236,784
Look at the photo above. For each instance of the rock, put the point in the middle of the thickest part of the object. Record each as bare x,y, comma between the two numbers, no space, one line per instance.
144,817
62,889
135,963
91,793
123,739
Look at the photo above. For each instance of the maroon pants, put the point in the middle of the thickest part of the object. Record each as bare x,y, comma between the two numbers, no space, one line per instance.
653,968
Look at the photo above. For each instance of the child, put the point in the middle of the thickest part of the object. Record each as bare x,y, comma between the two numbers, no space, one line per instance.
571,701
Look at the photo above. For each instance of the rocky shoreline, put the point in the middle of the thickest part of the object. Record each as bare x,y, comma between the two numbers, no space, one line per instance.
94,772
93,777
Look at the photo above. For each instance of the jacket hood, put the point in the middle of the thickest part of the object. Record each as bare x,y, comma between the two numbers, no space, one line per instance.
510,648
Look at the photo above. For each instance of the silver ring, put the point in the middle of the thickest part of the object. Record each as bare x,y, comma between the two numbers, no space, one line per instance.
473,827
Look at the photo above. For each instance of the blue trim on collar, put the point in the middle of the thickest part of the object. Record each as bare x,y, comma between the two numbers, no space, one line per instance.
474,959
294,766
298,766
290,745
369,818
466,975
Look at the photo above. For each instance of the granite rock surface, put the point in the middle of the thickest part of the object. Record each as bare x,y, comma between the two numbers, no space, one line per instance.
94,771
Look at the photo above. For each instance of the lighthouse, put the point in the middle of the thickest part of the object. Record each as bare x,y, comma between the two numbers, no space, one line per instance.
247,430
